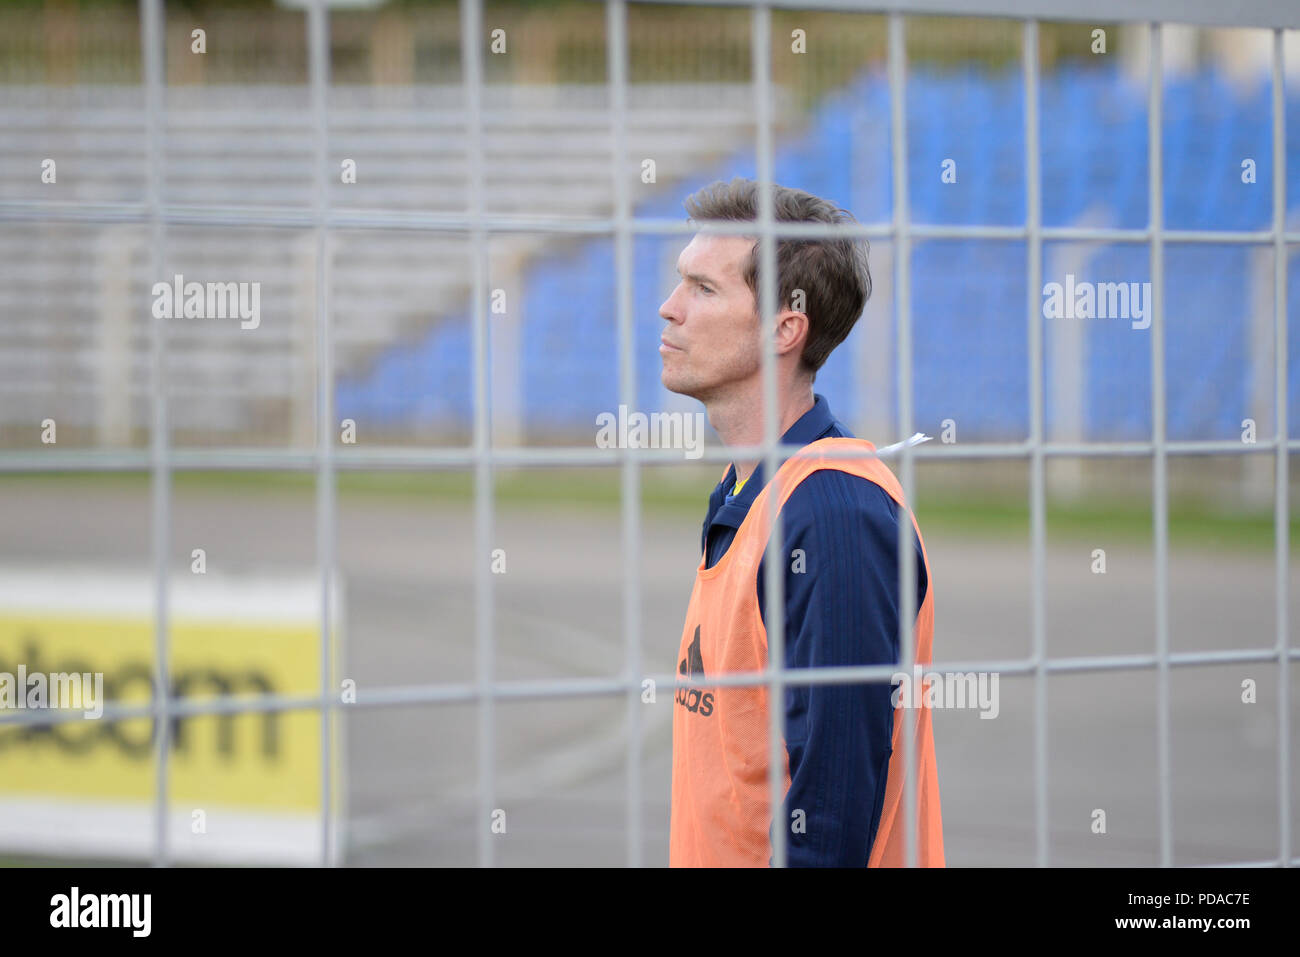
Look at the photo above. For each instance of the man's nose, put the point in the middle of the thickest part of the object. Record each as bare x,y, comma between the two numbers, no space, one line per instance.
667,311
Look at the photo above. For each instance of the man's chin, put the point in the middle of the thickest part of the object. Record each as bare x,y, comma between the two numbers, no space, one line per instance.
669,383
675,385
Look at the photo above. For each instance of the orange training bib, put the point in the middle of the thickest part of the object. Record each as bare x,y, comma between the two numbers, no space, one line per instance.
720,799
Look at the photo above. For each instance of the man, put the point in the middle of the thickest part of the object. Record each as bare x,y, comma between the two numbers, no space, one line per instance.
843,743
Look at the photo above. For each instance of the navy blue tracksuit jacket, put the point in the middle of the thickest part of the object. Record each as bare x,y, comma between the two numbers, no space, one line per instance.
841,610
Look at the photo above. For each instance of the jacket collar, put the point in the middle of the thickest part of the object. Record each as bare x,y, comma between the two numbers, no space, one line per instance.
816,423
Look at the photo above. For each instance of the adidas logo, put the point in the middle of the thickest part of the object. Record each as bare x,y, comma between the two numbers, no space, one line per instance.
692,666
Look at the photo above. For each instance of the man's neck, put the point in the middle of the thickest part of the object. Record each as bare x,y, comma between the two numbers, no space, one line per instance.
739,421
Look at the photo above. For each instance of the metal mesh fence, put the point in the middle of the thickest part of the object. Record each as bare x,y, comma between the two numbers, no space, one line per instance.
482,457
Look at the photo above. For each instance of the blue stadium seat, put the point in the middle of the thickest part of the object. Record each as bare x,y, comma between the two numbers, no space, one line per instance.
968,303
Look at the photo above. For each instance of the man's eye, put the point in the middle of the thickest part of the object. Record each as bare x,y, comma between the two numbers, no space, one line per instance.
704,288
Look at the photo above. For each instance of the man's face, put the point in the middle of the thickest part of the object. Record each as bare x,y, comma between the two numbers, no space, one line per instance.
712,338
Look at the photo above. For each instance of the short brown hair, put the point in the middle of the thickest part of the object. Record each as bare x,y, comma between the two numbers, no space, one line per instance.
832,272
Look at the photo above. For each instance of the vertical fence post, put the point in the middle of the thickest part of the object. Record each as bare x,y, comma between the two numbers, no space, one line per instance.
1281,506
616,53
318,50
1160,472
774,567
151,42
902,235
1037,465
471,25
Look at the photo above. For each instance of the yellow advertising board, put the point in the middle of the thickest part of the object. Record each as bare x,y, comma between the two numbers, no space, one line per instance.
241,787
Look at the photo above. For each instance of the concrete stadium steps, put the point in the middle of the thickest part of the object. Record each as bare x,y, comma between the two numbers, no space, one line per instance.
56,288
545,150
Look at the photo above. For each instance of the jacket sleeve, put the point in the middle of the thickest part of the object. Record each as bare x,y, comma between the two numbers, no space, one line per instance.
841,601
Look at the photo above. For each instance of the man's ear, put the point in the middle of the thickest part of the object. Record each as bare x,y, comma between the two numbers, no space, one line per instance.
792,329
